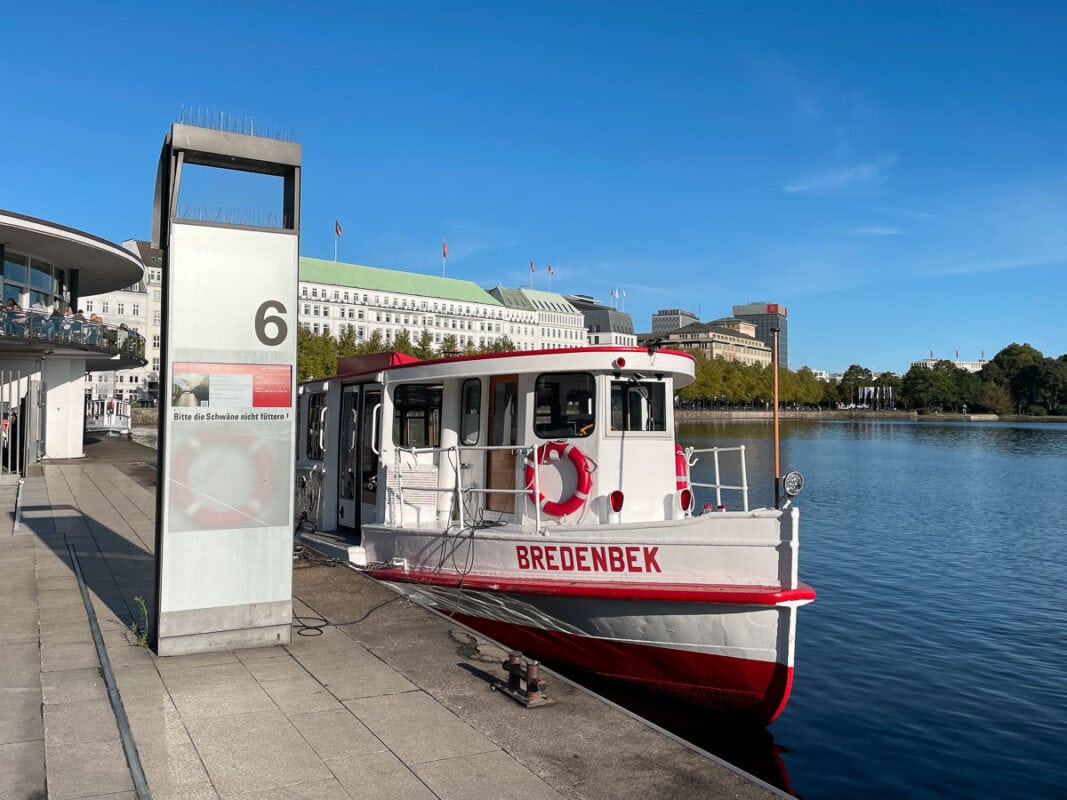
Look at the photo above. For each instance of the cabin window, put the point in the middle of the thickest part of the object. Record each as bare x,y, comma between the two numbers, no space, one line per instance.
417,415
638,405
470,421
316,424
565,405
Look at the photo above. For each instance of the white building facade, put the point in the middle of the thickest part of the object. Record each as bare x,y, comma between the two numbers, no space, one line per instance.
334,295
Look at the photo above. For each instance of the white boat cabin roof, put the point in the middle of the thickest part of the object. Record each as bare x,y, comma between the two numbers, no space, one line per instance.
391,367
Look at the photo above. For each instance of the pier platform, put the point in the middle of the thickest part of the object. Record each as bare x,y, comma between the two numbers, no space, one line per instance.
375,697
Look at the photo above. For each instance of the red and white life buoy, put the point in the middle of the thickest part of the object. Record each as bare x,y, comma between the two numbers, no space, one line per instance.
110,407
254,449
581,492
682,482
681,468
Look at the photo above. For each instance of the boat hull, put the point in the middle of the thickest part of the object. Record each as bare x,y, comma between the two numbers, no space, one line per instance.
731,658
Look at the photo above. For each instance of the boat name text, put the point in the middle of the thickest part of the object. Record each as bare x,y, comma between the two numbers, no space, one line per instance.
586,558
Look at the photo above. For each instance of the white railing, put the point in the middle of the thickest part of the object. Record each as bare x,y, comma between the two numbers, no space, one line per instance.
718,485
458,490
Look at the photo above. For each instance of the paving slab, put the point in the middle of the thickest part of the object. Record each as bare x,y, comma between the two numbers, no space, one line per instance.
379,775
417,728
254,752
86,769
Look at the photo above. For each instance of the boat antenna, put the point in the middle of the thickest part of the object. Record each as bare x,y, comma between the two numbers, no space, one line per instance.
777,443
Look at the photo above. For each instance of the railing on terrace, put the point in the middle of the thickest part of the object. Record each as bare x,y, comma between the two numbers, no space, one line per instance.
35,326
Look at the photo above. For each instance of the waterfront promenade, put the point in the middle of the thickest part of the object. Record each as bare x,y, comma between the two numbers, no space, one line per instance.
374,698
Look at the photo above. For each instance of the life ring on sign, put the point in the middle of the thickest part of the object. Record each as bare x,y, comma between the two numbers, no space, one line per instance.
110,407
257,452
581,491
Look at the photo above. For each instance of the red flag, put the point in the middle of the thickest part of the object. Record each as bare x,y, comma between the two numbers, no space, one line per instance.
531,267
550,270
337,227
444,249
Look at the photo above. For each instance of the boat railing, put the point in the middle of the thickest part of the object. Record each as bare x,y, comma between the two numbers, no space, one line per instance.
458,490
718,485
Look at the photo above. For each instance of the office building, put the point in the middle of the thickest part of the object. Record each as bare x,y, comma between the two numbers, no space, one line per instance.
766,317
671,319
604,325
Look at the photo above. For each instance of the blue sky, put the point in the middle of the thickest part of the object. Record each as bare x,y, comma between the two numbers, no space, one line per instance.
893,172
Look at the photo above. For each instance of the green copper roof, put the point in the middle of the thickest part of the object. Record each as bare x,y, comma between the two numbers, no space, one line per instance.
338,273
533,300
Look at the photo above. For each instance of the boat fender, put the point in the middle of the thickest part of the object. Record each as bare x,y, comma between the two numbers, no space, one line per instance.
254,449
581,492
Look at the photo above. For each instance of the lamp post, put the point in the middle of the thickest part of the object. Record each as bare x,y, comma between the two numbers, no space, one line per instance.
777,447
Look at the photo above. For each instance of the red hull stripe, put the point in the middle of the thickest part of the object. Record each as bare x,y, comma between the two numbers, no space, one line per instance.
757,690
721,594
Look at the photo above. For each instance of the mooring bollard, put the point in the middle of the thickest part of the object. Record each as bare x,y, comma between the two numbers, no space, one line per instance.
524,683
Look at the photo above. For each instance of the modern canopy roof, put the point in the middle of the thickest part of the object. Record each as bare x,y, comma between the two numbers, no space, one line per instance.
102,266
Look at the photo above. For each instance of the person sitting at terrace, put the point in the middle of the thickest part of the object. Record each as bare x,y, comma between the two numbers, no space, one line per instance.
78,315
14,319
95,319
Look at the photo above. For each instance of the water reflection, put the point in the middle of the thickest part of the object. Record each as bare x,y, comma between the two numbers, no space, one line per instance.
930,665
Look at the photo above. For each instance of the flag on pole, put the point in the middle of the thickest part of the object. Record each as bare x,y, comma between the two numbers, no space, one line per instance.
337,227
444,249
550,270
531,267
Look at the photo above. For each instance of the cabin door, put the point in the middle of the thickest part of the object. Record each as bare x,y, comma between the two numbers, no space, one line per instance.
357,488
503,430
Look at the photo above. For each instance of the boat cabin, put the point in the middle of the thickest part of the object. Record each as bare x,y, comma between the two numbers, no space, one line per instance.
530,439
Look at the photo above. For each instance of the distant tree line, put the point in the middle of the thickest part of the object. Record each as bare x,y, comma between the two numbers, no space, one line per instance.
317,354
1019,379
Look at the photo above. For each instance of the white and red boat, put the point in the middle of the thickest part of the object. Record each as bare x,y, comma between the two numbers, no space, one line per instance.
541,499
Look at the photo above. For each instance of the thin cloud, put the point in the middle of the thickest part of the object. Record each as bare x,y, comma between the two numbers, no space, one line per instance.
855,179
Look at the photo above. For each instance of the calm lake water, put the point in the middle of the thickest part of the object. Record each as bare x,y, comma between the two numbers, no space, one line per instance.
933,662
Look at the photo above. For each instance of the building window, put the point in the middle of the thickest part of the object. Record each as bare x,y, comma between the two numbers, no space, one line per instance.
89,306
136,310
103,306
120,308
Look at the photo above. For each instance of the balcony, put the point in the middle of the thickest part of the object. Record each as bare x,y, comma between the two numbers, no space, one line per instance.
105,347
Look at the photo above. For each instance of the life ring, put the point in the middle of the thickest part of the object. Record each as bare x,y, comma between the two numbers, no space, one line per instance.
682,482
581,466
188,501
110,406
681,468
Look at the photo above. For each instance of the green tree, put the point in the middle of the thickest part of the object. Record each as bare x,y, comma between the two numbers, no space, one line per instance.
993,397
449,345
347,344
402,343
501,345
1043,384
424,346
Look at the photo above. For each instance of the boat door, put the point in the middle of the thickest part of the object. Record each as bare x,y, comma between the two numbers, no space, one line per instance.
357,479
503,430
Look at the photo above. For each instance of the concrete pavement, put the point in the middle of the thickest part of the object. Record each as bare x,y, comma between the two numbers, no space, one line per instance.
374,698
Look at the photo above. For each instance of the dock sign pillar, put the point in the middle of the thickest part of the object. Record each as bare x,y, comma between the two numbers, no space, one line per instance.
227,419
